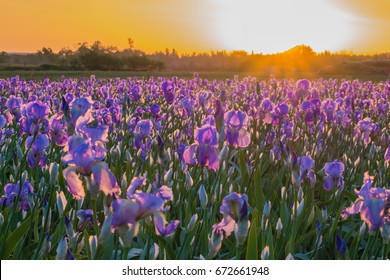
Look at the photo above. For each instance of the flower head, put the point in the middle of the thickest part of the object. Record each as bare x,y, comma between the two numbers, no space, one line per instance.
34,118
82,154
203,151
37,155
234,209
85,158
85,217
236,123
334,171
371,204
138,205
79,107
306,164
58,129
11,192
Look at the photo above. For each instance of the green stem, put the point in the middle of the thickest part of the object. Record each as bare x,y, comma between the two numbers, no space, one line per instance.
87,248
368,246
95,220
41,238
385,251
238,252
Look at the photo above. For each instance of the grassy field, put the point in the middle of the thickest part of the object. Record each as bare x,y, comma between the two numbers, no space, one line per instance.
37,75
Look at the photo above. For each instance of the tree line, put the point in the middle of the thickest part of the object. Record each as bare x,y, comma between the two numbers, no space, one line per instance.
97,56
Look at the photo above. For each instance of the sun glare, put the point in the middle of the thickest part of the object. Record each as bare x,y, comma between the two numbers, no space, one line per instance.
274,26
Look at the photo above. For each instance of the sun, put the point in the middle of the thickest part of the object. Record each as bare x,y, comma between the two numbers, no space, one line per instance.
274,26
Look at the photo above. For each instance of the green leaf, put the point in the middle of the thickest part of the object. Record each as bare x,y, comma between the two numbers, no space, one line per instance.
301,256
252,248
243,168
15,236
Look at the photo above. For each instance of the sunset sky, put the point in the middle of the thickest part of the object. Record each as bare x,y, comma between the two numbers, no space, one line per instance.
202,25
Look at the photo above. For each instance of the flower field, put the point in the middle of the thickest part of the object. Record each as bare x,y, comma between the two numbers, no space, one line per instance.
158,168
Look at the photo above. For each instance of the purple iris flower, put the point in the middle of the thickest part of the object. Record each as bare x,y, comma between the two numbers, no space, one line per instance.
95,134
58,129
37,155
334,171
371,204
14,104
116,113
309,111
329,107
234,209
365,129
36,110
3,121
135,183
168,88
34,118
155,109
104,116
205,147
280,111
236,125
140,205
82,154
306,165
203,98
85,217
11,192
124,213
188,105
79,107
136,93
343,117
180,150
144,128
143,132
266,108
69,97
303,85
109,102
85,158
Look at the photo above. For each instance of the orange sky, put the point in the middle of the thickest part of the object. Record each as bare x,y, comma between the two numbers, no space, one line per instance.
202,25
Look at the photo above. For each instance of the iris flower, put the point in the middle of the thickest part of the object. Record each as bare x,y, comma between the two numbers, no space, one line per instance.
11,192
138,205
34,118
306,164
204,151
334,171
37,155
236,125
234,209
87,159
371,204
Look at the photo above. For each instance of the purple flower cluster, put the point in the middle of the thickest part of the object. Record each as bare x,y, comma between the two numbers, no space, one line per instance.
13,192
